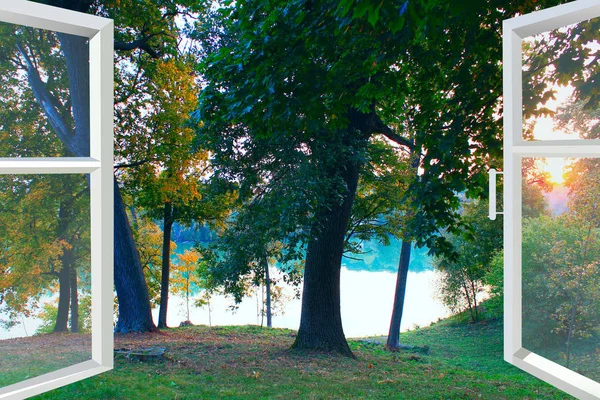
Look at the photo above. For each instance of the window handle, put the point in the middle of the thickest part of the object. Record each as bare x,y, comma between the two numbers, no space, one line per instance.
492,210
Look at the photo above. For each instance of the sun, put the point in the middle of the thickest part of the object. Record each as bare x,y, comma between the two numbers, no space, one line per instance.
556,168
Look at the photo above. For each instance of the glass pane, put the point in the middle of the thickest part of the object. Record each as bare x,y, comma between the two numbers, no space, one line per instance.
44,274
561,261
44,93
560,92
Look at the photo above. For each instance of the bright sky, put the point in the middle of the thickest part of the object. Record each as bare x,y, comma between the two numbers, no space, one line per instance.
544,128
556,168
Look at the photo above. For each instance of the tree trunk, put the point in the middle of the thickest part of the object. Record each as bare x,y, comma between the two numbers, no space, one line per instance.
77,55
64,275
64,295
134,303
268,289
187,303
468,296
209,313
474,291
570,334
74,302
393,340
321,319
134,217
166,266
260,306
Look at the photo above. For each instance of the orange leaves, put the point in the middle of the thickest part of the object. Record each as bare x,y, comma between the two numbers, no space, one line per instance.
189,259
184,272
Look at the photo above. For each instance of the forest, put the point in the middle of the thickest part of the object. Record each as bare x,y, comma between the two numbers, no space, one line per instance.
261,144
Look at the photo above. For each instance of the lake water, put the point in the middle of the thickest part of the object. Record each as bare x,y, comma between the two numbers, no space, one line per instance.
367,294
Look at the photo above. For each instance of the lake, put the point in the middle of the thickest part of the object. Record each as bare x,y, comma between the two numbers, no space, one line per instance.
367,294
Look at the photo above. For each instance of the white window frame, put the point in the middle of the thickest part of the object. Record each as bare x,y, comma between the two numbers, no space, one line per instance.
99,166
515,149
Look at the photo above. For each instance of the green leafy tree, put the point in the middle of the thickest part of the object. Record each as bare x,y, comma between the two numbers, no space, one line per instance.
560,280
304,103
561,57
295,91
209,286
463,278
494,279
49,312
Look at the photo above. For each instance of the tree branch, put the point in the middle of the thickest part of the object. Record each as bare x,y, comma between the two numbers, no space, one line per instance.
48,103
389,133
133,164
141,43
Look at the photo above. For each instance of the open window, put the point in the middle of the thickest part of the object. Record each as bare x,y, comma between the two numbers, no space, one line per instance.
56,197
552,195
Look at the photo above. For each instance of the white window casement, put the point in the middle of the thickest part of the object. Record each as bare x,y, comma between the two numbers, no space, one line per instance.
520,150
97,166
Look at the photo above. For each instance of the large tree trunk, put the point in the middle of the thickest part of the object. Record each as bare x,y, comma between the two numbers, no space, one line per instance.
166,266
64,295
74,302
321,319
134,303
393,340
64,274
76,51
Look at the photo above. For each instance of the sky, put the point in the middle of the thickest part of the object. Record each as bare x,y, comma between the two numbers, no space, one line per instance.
544,128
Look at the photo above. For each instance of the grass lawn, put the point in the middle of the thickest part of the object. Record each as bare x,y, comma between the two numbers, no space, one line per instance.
450,361
28,357
584,359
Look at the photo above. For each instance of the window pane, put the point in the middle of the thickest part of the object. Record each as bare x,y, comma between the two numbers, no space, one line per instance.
45,274
560,83
44,93
561,261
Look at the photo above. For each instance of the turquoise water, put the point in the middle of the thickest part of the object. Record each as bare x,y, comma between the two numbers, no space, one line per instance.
372,274
367,284
380,258
375,257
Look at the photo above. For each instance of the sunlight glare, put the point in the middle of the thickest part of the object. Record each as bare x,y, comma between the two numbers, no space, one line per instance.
556,168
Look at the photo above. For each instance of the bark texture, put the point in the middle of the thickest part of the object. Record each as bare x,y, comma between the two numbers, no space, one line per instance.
64,296
321,319
134,302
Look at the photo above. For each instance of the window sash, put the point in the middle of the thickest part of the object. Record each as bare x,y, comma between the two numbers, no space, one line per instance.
99,166
515,149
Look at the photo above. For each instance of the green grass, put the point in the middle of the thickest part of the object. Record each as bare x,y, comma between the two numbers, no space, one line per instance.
451,361
585,355
29,357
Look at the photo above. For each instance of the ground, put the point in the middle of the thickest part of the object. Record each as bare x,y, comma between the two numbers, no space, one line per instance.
450,360
27,357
